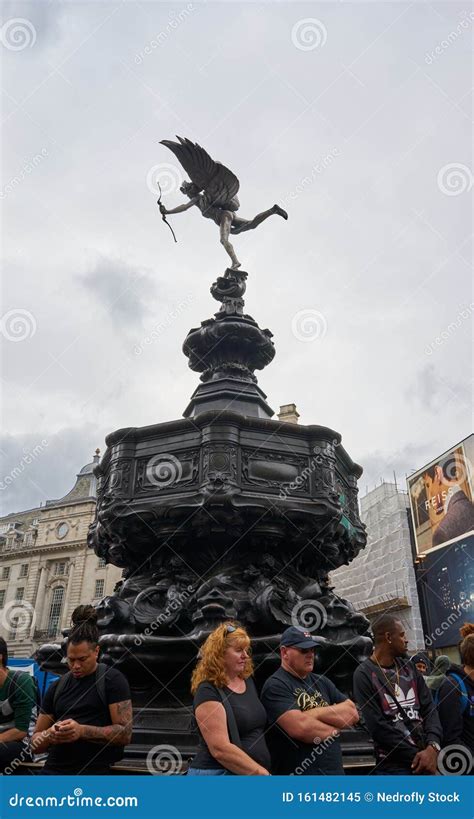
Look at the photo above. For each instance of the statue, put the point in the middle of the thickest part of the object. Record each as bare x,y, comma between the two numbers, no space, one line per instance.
213,189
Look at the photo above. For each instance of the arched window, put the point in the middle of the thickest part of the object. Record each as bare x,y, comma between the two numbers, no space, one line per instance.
55,610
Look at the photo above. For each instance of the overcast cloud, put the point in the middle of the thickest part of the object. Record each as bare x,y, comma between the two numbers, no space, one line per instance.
358,121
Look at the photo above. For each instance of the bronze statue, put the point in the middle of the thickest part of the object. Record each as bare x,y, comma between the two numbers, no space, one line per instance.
213,189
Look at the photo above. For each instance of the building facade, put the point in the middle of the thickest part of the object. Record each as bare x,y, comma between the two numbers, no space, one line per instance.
382,577
46,568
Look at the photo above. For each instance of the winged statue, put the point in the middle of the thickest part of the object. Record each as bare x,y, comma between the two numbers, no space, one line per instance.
213,189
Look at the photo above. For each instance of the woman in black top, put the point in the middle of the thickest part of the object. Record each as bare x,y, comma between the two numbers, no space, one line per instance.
224,673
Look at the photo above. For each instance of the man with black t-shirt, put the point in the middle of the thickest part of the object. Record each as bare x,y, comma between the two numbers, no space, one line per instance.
86,716
305,711
396,705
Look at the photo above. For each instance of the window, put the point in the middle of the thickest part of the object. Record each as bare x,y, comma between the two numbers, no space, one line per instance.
24,570
60,568
5,572
99,588
101,563
35,521
2,598
20,593
29,538
55,611
13,628
4,528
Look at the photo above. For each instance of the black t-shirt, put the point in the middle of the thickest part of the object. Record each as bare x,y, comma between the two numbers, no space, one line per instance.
284,692
79,700
250,717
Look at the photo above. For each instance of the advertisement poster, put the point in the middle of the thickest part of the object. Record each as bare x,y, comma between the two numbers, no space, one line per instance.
441,497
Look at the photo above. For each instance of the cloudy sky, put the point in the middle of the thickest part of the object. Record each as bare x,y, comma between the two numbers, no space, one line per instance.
354,115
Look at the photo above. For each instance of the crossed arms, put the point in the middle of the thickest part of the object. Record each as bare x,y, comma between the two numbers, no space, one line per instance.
321,723
48,732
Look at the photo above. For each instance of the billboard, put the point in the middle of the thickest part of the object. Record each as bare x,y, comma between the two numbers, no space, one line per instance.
447,585
441,497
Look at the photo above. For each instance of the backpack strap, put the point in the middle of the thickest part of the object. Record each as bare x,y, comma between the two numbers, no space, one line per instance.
234,735
61,685
13,682
100,679
462,687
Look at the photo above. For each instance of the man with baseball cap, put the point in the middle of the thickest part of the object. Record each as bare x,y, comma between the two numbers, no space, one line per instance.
305,711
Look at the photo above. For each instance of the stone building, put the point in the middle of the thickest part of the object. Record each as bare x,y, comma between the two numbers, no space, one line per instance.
382,577
46,568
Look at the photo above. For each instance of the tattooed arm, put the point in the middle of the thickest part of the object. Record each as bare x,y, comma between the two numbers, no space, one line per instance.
118,733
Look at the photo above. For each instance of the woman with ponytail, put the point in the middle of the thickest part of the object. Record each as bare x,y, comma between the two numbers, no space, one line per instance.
86,717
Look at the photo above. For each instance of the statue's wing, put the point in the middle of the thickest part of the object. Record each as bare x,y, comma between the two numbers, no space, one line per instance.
219,183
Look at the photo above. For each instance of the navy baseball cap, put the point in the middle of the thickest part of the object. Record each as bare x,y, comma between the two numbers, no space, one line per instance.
298,638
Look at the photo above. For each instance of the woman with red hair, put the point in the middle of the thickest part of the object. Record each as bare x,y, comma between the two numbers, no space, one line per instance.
230,717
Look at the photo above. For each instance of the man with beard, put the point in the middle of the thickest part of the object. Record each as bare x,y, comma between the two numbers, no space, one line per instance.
396,704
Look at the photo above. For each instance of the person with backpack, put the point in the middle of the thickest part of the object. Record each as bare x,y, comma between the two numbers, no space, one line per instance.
230,717
17,707
396,705
455,699
86,717
435,679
